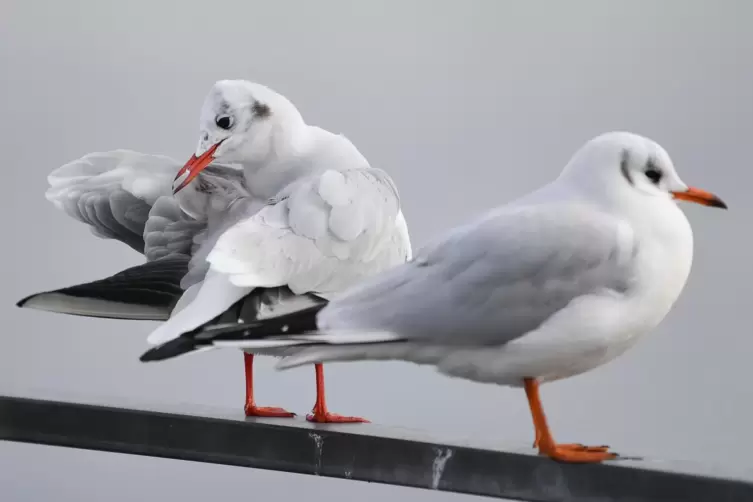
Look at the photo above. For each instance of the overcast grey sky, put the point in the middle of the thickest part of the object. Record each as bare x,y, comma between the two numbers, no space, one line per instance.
485,100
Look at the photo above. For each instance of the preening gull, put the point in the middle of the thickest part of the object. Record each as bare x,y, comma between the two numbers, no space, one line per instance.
330,220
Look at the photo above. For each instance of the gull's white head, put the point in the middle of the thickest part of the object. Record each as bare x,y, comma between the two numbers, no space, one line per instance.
627,167
241,122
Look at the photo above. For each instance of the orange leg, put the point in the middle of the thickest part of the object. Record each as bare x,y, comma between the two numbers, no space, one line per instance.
569,446
319,413
250,408
571,452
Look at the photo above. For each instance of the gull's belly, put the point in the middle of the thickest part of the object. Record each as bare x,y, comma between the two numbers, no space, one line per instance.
554,362
544,360
590,332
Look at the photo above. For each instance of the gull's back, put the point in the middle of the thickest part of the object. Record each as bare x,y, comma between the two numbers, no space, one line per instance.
495,279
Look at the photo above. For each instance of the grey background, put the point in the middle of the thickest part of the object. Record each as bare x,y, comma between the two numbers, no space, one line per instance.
467,104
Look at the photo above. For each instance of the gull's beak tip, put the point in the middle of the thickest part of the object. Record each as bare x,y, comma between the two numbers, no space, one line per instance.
193,167
180,181
719,203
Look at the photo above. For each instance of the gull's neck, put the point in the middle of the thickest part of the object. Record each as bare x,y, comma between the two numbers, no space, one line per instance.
280,161
296,153
664,247
663,262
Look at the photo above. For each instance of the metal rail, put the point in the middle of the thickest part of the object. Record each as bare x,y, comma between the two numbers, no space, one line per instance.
362,452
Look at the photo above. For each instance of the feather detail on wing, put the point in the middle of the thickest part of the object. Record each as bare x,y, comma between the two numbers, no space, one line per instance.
112,192
322,233
143,292
127,196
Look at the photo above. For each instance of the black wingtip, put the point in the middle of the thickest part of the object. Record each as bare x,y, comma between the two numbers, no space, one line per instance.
168,350
20,303
151,355
228,326
154,286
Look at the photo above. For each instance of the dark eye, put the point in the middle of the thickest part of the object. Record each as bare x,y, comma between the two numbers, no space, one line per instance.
224,121
654,175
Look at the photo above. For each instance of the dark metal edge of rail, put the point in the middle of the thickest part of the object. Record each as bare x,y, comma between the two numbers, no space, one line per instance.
323,452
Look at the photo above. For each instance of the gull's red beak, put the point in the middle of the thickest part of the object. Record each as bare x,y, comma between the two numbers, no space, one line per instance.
700,197
194,166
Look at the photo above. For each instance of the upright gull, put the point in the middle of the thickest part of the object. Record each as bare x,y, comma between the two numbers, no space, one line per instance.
546,287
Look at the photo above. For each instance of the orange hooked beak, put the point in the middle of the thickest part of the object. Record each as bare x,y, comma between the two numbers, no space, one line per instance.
194,166
700,197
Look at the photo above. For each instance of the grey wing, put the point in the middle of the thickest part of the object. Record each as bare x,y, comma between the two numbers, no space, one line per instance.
494,280
190,223
213,191
225,172
127,196
181,225
169,232
112,192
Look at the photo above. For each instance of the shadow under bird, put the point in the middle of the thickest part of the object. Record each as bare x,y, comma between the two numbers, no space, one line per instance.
549,286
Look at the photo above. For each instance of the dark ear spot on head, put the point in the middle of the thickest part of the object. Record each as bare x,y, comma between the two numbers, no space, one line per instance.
224,108
260,110
624,161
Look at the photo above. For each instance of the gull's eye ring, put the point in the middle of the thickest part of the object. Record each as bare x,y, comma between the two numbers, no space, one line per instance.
224,121
654,175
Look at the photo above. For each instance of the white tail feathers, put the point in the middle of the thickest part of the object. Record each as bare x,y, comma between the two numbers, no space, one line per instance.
326,338
252,345
350,337
299,350
215,296
187,297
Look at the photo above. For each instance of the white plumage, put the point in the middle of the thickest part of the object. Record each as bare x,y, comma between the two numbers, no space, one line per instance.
330,221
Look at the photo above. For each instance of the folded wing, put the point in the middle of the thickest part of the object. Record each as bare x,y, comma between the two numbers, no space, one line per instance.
320,235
